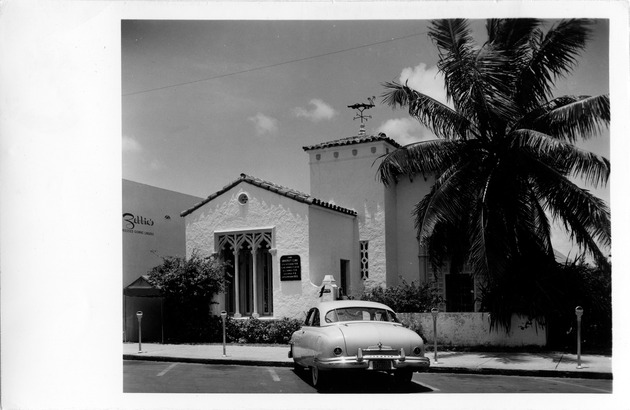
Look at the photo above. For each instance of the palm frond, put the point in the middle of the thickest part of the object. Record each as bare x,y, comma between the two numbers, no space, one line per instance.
441,205
443,214
585,216
491,91
553,55
424,157
457,52
564,158
479,80
443,121
542,225
510,34
571,118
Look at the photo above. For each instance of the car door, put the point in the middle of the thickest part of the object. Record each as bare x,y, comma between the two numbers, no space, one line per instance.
310,336
300,343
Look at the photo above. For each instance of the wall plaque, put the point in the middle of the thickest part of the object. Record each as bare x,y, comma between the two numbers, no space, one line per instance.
290,267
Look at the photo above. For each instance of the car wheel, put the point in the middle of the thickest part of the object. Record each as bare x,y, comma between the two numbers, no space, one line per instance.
403,376
319,378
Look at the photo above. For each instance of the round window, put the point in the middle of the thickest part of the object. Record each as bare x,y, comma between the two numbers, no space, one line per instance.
243,198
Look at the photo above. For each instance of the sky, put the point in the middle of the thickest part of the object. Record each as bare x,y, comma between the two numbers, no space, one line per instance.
204,101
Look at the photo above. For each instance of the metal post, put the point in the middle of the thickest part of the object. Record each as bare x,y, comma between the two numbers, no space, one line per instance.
434,312
578,312
139,316
223,317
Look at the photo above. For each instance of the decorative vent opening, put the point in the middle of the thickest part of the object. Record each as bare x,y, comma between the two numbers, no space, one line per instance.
243,198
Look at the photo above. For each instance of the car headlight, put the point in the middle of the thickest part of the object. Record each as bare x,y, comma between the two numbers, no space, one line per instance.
417,350
337,351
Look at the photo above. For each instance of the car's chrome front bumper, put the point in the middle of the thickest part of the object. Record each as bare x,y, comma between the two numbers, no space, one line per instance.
385,363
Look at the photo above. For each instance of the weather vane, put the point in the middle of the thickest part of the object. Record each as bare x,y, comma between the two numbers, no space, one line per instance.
360,107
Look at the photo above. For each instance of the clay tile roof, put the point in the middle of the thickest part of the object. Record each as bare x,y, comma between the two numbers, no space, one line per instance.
358,139
284,191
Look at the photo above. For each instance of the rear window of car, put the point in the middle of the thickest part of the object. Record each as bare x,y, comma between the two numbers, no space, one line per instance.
360,314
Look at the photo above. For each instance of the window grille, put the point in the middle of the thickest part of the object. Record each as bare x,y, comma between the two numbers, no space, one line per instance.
363,246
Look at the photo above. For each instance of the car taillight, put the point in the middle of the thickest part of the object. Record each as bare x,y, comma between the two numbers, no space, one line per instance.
337,351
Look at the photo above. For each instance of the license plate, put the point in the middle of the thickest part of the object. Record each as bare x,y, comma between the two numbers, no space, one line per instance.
382,364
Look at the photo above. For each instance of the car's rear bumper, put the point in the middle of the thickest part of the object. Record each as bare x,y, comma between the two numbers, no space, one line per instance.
416,364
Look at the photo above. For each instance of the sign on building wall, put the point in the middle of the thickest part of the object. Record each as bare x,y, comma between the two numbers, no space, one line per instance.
137,224
290,267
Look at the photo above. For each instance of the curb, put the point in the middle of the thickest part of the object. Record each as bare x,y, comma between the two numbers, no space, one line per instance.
456,370
523,372
242,362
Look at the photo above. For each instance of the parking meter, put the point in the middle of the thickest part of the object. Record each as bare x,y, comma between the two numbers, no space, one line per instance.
139,316
579,311
434,313
223,317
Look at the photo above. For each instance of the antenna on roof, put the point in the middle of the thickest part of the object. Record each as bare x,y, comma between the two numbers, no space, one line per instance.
360,107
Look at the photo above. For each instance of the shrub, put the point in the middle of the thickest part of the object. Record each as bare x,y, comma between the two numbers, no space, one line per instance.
280,331
579,283
254,330
406,297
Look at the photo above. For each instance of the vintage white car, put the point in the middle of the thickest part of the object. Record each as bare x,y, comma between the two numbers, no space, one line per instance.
356,335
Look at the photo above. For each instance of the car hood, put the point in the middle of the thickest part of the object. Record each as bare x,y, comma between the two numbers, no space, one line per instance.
364,335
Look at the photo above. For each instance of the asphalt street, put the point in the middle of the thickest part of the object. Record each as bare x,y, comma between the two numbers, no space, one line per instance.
177,377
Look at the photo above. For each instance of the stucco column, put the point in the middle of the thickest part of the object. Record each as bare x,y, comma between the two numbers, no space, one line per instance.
255,283
237,289
275,273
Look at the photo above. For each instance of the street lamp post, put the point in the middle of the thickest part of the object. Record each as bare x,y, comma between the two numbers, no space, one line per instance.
578,312
139,316
434,313
223,317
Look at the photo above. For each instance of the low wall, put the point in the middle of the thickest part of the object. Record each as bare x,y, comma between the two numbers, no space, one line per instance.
473,329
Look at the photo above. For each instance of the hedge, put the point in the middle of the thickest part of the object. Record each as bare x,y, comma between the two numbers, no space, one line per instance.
251,330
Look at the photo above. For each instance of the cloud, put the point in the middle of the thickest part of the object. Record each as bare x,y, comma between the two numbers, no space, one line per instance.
405,130
130,145
428,81
319,111
265,125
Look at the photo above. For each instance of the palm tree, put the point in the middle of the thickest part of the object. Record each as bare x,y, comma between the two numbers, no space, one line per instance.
504,158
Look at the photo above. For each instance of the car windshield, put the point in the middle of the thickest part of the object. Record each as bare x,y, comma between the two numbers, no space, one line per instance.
358,313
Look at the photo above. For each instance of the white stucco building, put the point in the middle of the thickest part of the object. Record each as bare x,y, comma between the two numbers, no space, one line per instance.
282,243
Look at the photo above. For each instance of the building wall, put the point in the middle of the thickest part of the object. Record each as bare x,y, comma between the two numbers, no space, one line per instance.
290,221
346,176
332,239
473,329
409,192
392,230
151,228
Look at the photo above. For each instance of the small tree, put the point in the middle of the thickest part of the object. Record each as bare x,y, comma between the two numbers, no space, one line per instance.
188,286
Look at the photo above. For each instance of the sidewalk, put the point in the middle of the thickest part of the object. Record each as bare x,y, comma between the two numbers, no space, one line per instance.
549,364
